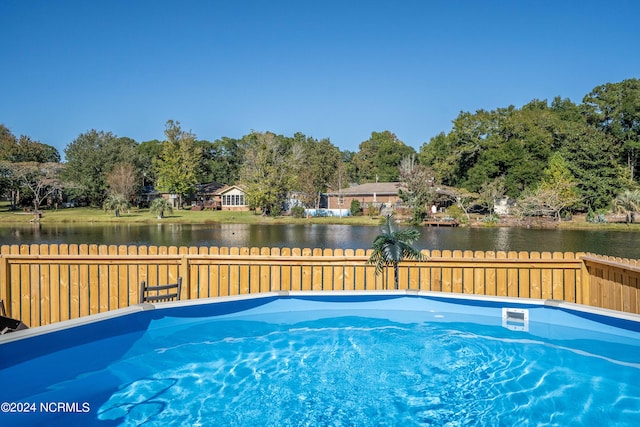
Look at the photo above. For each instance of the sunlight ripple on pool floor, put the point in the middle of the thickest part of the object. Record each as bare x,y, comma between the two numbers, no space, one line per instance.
365,371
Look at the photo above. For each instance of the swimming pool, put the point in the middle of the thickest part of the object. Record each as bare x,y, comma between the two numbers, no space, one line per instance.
389,358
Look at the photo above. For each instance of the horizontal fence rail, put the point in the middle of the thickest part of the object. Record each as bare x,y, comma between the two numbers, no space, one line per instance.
43,284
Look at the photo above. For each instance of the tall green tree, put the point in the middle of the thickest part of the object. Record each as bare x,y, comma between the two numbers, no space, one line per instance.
269,171
347,173
6,179
147,152
40,181
90,157
592,158
392,246
512,143
558,176
557,192
379,157
8,143
25,149
452,156
318,168
519,149
419,191
28,150
222,160
439,155
177,163
567,111
614,108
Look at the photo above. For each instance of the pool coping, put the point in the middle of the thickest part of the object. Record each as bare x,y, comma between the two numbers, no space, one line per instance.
112,314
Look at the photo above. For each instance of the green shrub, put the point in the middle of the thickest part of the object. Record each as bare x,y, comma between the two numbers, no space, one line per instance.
418,214
596,217
355,208
297,212
373,210
491,219
456,212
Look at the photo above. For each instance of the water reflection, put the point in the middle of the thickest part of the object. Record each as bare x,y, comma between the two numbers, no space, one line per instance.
616,243
502,239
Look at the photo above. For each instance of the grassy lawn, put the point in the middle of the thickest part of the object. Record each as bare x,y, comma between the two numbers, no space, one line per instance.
87,215
143,216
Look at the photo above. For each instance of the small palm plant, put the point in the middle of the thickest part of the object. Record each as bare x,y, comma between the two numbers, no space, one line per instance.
393,246
628,202
117,203
160,207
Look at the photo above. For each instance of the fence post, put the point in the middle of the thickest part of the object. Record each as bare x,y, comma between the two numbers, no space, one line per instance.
585,284
5,283
186,277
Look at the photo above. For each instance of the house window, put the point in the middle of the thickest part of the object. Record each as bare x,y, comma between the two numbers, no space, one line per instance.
233,200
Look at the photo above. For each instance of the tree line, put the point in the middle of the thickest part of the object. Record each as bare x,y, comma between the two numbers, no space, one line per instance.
550,158
557,157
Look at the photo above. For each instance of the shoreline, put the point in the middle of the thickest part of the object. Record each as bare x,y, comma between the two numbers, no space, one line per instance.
91,216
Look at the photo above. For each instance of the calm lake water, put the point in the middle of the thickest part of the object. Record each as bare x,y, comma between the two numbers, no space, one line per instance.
616,243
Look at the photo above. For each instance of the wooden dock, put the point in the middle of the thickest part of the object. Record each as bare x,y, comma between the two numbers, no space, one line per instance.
446,222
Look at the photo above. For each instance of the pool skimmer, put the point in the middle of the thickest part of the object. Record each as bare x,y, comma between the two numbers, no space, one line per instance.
515,319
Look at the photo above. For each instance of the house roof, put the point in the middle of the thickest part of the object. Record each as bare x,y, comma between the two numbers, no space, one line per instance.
379,188
209,188
227,188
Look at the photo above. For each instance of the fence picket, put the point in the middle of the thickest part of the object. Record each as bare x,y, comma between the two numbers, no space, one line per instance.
43,284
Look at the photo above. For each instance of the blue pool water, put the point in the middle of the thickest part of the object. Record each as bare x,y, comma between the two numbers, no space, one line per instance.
308,360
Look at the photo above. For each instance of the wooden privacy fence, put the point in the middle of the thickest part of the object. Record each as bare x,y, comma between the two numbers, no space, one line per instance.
613,283
42,284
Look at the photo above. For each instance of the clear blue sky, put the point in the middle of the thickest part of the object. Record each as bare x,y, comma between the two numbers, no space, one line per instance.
329,69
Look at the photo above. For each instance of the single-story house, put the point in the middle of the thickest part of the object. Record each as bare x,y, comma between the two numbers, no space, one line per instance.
379,194
147,194
382,195
205,197
231,198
